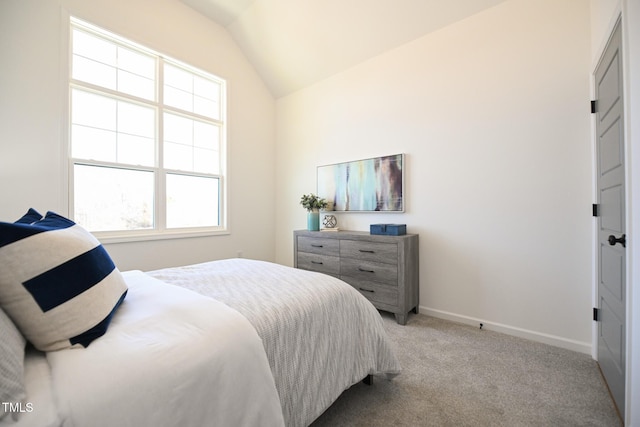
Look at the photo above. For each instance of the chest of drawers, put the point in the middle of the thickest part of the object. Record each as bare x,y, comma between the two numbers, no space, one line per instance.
385,269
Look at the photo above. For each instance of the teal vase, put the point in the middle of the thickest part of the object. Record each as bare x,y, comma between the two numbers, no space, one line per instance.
313,221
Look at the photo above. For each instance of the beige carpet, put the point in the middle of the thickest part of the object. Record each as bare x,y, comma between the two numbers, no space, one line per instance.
458,375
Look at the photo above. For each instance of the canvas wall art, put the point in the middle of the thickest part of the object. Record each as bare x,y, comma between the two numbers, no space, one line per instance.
369,185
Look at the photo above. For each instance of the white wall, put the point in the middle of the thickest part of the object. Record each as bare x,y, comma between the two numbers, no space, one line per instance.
33,70
492,113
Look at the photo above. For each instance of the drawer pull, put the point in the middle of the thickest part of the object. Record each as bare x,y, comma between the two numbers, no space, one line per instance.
367,290
367,251
317,262
317,246
365,271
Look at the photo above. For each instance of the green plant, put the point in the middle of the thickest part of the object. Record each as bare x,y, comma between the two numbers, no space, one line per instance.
312,202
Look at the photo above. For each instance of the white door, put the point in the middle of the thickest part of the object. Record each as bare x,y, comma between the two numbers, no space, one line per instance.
611,218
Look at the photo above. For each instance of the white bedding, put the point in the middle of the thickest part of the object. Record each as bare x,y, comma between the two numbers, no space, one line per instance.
39,410
267,346
320,335
171,357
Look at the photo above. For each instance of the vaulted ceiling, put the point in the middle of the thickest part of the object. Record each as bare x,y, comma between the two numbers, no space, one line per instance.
295,43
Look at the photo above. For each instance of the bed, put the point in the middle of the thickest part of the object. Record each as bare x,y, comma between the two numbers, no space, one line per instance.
232,342
320,335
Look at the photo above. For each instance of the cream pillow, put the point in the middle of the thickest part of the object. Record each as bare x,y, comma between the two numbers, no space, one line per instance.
57,282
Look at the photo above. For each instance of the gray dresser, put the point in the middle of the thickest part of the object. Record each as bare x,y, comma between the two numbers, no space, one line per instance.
385,269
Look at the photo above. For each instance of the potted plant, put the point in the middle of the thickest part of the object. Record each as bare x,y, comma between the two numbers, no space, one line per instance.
313,204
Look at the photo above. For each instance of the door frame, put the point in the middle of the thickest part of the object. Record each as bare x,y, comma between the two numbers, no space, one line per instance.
625,11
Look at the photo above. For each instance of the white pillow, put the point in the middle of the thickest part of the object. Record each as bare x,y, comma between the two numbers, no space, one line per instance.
11,363
57,282
12,345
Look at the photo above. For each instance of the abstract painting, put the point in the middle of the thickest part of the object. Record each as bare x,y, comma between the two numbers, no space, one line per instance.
369,185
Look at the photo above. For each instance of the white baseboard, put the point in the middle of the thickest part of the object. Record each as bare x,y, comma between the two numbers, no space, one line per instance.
581,347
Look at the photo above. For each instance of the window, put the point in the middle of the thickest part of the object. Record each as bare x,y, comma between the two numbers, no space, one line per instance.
147,139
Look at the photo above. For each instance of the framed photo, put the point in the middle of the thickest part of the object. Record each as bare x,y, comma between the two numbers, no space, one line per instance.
369,185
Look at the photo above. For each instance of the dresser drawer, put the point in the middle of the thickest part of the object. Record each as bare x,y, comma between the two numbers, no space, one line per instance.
369,271
320,263
370,251
319,246
376,293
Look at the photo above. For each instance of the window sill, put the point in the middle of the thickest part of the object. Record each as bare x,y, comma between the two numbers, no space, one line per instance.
128,237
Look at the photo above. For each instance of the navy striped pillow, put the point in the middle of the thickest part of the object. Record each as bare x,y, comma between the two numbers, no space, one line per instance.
30,217
57,282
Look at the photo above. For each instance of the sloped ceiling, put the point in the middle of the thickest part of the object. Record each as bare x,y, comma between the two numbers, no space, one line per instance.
295,43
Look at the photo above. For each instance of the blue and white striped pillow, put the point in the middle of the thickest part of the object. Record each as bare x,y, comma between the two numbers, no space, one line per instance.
57,282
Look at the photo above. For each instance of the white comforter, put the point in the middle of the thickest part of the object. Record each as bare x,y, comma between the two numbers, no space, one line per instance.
321,335
171,357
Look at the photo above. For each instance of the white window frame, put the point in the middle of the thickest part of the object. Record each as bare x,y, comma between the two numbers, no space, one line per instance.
160,230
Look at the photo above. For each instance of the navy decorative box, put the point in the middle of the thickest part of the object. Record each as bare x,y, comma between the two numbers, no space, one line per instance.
388,229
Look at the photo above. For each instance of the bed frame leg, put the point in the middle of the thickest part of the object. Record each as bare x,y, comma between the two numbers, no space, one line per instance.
368,380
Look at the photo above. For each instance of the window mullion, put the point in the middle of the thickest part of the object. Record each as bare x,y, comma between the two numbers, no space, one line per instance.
161,178
88,87
111,165
190,114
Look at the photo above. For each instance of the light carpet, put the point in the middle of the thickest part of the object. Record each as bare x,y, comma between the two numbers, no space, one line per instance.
458,375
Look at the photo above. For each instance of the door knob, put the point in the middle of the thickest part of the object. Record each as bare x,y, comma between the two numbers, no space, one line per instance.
622,240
